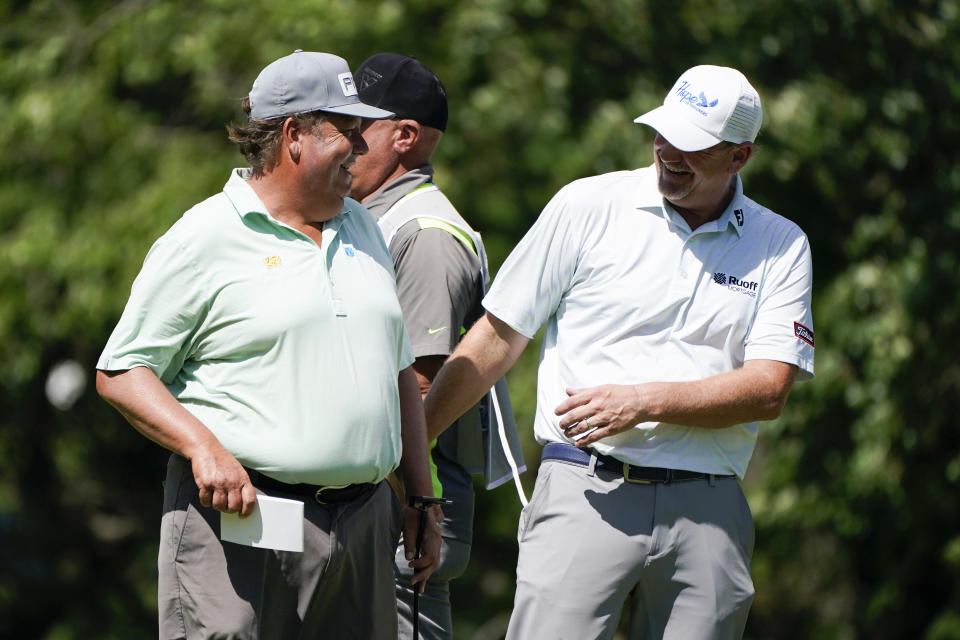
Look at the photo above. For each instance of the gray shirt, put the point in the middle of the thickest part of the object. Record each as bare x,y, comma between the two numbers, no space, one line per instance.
440,286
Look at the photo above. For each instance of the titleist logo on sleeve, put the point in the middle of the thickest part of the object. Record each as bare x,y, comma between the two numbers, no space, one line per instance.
803,333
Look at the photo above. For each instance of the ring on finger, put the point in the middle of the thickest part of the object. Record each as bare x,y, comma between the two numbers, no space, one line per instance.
586,422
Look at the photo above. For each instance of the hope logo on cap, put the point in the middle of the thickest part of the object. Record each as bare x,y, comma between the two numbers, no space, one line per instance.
697,102
707,105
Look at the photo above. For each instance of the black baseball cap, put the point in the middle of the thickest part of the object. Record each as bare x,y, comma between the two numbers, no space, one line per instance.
404,85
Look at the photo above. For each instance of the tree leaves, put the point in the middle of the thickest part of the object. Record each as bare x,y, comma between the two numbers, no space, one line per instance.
112,121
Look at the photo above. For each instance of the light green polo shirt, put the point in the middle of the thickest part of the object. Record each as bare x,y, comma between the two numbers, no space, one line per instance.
287,352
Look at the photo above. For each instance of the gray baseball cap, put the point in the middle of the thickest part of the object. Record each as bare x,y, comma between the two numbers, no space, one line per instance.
306,81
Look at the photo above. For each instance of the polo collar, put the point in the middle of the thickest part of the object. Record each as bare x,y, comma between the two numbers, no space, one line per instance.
245,200
382,200
733,215
242,195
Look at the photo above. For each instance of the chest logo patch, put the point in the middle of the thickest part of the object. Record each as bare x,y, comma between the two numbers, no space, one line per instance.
349,251
272,262
803,333
748,288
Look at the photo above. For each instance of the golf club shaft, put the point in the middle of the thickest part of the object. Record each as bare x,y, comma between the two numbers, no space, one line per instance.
416,587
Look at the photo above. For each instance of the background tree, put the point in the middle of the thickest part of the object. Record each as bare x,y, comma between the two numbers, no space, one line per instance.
112,120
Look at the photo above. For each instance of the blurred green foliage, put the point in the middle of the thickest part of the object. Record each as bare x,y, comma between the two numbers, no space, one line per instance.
112,119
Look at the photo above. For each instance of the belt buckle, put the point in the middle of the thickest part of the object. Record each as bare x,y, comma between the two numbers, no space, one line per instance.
626,476
320,490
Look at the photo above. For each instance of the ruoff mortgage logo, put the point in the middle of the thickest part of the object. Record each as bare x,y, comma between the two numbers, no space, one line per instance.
698,102
736,284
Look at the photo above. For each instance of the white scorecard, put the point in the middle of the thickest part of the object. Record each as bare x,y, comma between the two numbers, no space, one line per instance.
276,523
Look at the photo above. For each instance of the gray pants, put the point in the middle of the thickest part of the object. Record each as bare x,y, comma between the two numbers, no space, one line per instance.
341,586
436,620
679,552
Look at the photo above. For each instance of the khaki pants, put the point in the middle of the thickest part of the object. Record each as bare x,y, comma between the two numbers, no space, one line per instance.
680,553
341,586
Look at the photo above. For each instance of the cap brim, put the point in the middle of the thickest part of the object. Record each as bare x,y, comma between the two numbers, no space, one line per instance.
677,130
360,110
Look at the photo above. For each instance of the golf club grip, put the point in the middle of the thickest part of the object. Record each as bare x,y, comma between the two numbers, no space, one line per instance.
423,523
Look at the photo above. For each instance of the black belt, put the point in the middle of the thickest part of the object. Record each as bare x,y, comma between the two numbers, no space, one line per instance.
322,494
630,473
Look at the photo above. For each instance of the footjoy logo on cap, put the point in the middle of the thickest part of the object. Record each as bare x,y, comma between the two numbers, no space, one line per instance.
347,84
803,333
698,102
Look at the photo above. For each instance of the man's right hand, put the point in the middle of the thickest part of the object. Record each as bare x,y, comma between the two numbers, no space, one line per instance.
153,411
223,482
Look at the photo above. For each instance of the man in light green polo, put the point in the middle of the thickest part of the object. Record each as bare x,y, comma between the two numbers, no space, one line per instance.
263,344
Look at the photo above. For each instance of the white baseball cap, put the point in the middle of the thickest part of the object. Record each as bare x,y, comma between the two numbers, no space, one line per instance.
306,81
707,105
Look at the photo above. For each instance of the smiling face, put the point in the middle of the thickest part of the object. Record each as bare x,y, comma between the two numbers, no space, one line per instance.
698,183
326,157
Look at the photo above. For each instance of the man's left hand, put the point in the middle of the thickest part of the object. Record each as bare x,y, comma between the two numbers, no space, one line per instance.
600,412
425,565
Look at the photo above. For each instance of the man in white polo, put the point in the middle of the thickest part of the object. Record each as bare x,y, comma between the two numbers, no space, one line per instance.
263,344
678,315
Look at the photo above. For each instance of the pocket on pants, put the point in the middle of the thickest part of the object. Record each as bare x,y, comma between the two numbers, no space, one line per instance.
748,530
529,513
178,492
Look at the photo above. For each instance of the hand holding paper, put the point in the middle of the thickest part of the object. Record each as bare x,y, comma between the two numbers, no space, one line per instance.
276,523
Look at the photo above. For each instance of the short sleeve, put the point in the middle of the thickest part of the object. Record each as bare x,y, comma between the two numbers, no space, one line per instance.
783,327
161,316
531,282
439,283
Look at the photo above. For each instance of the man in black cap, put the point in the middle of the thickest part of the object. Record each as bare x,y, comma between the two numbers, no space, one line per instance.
263,344
441,273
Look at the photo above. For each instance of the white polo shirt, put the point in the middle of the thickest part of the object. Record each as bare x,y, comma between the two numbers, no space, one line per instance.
288,352
631,295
